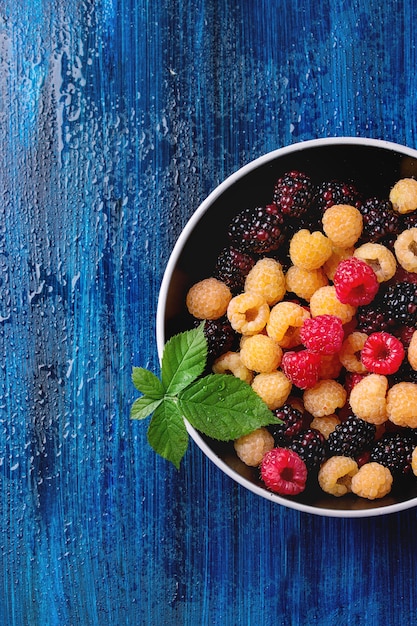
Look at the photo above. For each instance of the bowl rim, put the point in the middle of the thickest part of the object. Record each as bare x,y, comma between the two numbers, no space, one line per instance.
161,306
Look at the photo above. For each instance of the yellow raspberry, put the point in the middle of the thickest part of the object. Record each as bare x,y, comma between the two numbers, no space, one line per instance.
208,299
379,258
350,352
412,351
372,481
368,399
309,250
335,475
252,448
284,324
324,398
402,404
260,353
325,425
405,248
324,301
330,366
404,195
414,461
273,388
305,282
343,225
267,278
338,254
248,313
231,363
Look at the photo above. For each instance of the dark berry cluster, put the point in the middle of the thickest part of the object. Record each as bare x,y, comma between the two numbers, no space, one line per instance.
394,451
292,424
232,267
293,193
399,303
381,224
220,337
405,373
351,437
333,192
310,445
371,318
257,230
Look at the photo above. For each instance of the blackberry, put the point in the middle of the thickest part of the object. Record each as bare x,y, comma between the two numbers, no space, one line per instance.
220,337
351,437
311,221
336,192
394,451
407,220
371,318
400,303
310,445
405,373
232,267
293,193
257,230
380,222
292,424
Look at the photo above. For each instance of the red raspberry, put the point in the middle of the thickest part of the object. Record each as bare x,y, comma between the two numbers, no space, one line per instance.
382,353
322,334
355,282
301,368
284,471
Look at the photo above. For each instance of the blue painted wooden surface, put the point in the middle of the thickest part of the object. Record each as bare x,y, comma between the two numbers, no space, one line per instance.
117,117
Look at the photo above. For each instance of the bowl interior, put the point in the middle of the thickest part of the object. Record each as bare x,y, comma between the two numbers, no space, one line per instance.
374,168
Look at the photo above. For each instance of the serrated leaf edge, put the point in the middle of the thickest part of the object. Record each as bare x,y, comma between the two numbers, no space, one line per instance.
176,461
194,335
214,408
148,408
158,387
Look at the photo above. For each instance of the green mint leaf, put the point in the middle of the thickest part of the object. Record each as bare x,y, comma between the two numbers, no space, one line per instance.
224,407
218,405
184,359
167,433
147,383
144,406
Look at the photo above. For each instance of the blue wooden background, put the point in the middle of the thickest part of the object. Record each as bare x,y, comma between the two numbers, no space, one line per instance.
117,118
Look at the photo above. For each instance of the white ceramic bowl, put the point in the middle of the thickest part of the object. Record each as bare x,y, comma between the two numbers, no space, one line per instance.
373,165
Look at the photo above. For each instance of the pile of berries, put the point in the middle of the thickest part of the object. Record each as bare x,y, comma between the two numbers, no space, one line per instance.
314,304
